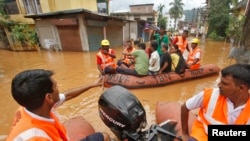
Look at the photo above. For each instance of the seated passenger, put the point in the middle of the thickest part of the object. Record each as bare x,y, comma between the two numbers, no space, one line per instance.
178,62
125,59
141,62
165,61
154,60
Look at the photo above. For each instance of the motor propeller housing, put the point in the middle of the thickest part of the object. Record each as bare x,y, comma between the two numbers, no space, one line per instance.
122,112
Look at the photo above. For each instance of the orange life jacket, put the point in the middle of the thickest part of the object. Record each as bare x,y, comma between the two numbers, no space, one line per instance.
181,44
214,111
126,58
191,58
106,59
29,128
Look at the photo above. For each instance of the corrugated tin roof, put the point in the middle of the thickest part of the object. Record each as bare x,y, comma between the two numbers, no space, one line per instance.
241,4
73,11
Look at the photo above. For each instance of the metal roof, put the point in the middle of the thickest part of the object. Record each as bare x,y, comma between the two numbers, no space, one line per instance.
239,5
73,11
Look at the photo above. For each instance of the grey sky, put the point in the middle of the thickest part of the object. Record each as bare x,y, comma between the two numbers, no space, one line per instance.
123,5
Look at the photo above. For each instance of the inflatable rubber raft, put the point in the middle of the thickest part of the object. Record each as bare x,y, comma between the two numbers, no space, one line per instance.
78,128
172,111
133,82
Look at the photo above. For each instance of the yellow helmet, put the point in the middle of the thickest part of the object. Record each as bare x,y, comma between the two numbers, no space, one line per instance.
195,40
105,43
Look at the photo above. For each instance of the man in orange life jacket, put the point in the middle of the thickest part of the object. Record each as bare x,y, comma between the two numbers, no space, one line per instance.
105,58
227,104
37,93
181,41
194,56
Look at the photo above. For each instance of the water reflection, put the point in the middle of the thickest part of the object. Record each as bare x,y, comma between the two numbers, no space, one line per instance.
79,68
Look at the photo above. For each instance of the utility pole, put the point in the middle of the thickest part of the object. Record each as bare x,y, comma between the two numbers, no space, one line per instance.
198,22
107,7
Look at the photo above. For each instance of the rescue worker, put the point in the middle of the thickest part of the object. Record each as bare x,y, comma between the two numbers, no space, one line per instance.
105,58
181,41
194,56
226,105
37,93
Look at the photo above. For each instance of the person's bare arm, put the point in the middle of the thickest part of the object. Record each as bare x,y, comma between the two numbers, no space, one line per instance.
72,93
112,55
187,48
165,65
153,62
195,61
184,122
100,69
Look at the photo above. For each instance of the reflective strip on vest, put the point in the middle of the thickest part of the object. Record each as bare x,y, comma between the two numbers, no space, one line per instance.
31,133
181,44
210,110
106,61
211,106
126,58
191,58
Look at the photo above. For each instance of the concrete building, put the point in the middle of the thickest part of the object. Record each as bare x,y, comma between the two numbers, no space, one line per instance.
172,26
68,25
138,16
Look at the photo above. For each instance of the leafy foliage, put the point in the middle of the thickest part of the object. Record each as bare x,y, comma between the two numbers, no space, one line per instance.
215,36
218,17
24,35
3,13
234,30
161,20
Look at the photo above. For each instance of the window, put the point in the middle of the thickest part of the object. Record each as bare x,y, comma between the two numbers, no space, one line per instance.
32,6
11,7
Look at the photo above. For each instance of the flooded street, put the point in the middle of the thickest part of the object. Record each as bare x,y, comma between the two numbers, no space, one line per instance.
79,68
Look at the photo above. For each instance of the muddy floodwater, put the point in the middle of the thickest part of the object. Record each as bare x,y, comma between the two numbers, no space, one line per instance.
73,69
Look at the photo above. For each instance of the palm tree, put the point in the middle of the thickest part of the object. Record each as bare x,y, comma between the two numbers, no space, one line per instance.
176,11
161,20
160,9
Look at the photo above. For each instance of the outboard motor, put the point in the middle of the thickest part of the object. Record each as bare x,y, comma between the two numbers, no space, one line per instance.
122,112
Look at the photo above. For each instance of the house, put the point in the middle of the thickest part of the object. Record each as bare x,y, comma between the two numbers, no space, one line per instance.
240,9
139,16
71,25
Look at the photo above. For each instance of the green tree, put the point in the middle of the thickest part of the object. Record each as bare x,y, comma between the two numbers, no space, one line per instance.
218,19
234,30
160,9
242,53
161,19
176,11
